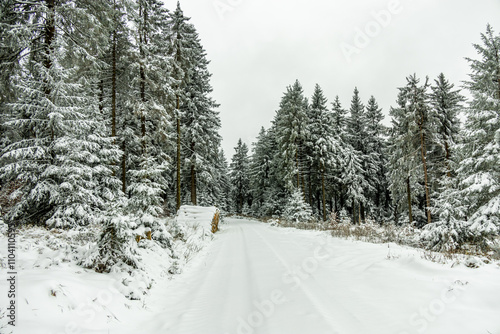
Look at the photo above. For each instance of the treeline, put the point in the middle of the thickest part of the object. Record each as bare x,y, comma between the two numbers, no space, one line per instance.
106,112
426,169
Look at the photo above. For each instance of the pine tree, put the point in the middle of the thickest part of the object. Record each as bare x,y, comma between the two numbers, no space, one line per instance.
260,169
480,168
446,104
339,119
61,161
269,192
149,162
201,124
404,173
357,137
222,183
376,152
181,38
448,231
352,177
411,132
291,135
239,175
323,146
339,128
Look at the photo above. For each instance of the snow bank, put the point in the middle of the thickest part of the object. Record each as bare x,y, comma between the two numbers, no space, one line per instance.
56,295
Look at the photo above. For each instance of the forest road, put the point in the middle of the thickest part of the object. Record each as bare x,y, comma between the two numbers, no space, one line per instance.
254,278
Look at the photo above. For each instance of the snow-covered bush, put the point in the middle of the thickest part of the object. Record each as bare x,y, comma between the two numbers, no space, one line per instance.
297,210
449,232
116,245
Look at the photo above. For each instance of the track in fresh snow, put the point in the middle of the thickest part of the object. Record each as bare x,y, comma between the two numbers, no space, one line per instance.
255,278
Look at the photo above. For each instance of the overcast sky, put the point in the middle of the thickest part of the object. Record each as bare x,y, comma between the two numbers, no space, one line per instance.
259,47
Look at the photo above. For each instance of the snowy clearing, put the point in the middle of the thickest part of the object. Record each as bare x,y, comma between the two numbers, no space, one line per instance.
256,278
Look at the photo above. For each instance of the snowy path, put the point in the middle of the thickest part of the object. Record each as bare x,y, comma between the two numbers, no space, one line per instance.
259,279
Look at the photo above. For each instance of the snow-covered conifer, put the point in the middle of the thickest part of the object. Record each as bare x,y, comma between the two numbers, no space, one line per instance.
239,175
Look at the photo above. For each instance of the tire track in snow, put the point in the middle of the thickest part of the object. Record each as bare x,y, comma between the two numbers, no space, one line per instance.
318,305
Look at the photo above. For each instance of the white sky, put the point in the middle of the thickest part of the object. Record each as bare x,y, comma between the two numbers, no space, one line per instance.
259,47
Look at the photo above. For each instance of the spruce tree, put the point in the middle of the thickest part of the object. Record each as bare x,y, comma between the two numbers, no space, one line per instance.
323,145
260,171
291,135
446,104
376,153
239,175
201,124
339,119
480,168
404,174
64,155
357,138
181,37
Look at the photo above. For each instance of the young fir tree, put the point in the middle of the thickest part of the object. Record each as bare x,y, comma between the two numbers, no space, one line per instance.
291,135
479,171
239,175
297,210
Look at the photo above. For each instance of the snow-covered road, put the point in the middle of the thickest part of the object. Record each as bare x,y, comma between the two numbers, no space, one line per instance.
255,278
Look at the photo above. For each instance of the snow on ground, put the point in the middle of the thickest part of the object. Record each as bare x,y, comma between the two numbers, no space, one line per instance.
56,295
256,278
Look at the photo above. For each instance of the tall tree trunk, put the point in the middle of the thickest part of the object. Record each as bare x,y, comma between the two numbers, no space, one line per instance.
342,199
323,195
142,74
362,212
303,186
101,96
337,200
113,110
178,193
298,170
193,179
354,221
50,32
426,180
318,202
497,58
408,192
124,168
113,85
447,157
310,191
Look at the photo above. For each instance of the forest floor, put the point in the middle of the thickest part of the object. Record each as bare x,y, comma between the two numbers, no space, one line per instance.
257,278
